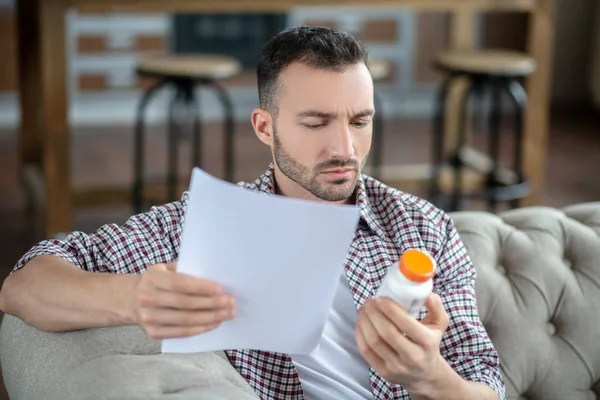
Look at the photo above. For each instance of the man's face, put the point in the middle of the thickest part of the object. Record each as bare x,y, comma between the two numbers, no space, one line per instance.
322,132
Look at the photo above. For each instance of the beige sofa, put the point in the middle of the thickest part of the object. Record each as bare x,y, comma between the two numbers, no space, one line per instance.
538,289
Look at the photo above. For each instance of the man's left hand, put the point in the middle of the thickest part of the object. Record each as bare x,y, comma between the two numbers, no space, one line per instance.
401,349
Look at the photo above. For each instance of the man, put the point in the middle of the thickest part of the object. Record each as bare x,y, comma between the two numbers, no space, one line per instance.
316,114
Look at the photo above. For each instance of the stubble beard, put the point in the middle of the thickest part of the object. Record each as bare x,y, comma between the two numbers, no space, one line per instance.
333,191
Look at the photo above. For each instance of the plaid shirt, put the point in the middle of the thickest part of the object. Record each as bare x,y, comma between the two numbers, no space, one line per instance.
390,222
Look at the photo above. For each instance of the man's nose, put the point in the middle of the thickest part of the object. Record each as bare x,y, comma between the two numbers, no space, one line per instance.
342,146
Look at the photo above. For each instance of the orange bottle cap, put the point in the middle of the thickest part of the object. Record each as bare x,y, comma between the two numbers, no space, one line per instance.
416,265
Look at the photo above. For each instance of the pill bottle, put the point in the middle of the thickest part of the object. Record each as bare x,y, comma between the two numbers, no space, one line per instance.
409,281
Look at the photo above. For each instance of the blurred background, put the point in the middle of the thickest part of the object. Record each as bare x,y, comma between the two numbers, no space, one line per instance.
104,49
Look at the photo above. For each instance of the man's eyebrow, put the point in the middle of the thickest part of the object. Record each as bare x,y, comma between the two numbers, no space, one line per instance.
317,114
364,113
330,115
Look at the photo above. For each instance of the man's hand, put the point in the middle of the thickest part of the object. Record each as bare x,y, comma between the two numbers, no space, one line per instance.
170,305
401,349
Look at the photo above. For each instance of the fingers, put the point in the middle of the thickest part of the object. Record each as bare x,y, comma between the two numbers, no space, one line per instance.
436,317
168,304
374,342
164,299
380,335
386,332
168,332
367,352
181,283
404,322
179,318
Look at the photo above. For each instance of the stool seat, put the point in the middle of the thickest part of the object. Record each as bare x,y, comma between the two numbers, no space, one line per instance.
496,72
184,73
487,62
380,69
205,66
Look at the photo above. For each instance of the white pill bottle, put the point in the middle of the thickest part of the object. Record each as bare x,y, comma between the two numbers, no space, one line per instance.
409,281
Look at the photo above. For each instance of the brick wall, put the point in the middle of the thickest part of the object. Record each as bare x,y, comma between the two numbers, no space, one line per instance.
430,37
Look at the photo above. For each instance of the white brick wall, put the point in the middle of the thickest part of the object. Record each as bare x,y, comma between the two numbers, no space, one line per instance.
118,107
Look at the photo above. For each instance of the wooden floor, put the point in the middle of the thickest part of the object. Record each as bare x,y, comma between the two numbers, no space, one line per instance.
102,156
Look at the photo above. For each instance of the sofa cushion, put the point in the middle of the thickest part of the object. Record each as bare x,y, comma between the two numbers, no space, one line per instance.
537,287
110,363
538,292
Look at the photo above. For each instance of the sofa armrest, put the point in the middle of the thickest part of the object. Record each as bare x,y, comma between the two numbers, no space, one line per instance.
109,363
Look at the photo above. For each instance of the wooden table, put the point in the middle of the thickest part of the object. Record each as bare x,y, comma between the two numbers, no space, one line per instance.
45,134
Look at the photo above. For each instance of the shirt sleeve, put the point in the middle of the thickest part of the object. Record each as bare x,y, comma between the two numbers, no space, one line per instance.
466,345
143,240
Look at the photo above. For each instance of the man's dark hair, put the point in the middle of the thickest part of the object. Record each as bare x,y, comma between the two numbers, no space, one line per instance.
315,46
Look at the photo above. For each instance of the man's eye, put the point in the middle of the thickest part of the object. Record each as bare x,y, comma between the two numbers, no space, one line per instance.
314,126
360,124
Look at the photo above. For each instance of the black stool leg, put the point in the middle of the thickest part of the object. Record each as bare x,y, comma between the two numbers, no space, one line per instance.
377,148
494,144
479,116
519,97
138,152
438,140
173,136
455,202
193,101
229,130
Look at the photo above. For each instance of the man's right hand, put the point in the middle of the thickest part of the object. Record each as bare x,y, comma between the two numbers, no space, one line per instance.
172,305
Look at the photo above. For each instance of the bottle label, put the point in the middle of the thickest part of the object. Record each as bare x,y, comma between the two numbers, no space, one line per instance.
414,308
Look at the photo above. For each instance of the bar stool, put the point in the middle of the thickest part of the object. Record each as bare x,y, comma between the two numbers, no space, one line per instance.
380,70
184,73
499,72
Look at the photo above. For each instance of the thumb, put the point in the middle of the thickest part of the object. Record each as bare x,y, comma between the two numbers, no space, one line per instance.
172,266
436,317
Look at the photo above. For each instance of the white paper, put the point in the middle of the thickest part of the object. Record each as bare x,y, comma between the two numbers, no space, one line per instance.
280,258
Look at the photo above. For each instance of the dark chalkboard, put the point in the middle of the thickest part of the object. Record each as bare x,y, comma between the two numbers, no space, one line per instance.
239,35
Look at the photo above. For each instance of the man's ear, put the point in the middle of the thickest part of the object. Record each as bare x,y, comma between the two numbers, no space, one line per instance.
263,125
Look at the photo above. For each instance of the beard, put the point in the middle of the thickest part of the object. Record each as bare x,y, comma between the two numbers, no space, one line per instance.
334,190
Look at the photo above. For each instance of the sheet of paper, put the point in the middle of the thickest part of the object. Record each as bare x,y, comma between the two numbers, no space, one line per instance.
281,258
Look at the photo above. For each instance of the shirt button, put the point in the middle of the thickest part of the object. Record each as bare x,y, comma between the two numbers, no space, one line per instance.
551,328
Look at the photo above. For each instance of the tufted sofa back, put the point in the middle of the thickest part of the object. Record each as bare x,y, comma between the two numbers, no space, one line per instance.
538,292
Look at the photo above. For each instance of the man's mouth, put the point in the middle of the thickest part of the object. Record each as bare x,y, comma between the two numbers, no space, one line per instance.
339,173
